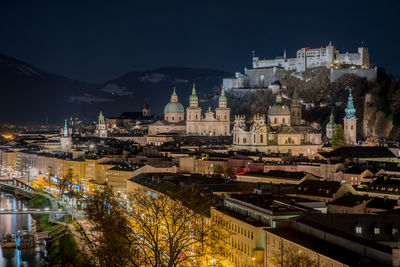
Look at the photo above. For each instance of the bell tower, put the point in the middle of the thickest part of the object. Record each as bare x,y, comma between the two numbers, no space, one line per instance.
223,114
350,121
295,109
193,113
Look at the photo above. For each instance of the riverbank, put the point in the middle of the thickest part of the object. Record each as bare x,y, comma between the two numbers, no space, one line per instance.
61,246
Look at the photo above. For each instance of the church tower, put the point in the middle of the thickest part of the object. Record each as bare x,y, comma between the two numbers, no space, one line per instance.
223,114
65,139
101,126
193,113
331,126
295,109
350,121
146,110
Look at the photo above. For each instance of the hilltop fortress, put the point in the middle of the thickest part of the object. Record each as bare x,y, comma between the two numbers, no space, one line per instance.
266,71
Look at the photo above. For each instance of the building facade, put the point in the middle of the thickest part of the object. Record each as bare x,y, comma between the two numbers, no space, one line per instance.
217,123
276,134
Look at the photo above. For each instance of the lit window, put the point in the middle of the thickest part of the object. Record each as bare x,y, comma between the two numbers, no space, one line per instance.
377,230
358,230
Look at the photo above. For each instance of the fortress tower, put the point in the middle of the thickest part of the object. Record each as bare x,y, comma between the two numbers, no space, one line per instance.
350,121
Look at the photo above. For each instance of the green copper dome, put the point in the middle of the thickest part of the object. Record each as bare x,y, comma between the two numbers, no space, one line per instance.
174,107
279,108
193,97
331,124
222,97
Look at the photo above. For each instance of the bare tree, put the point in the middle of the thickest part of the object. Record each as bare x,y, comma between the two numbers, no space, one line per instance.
173,230
290,257
111,239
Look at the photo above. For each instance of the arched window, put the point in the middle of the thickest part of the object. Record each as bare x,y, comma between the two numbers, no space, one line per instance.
244,140
290,140
173,118
254,138
283,121
351,127
225,116
275,120
196,116
190,117
261,138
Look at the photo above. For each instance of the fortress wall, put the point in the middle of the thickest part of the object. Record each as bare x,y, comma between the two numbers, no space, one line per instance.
370,74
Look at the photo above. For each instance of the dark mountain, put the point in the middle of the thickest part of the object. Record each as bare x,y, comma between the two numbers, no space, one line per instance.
131,90
32,95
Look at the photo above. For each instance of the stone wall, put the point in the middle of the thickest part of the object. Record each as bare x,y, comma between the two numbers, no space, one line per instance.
370,74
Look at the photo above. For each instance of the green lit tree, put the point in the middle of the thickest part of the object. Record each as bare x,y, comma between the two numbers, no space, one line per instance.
338,139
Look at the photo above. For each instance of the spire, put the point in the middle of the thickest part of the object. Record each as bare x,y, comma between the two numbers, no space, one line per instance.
284,53
65,132
222,101
193,99
174,96
295,94
278,98
350,110
194,89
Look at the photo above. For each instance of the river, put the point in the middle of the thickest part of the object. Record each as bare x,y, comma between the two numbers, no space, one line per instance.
11,223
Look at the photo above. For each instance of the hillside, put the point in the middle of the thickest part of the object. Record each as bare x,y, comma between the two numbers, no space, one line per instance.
377,103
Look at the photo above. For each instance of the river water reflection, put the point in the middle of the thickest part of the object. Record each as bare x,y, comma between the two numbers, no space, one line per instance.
10,224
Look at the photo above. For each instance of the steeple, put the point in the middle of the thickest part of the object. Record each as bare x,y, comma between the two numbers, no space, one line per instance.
350,110
174,96
278,98
222,101
193,99
65,131
284,53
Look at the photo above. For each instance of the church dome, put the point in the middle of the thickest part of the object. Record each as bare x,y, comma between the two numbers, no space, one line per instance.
222,97
174,107
279,108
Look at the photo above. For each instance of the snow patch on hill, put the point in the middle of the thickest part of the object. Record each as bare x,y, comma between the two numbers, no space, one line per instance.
116,90
153,77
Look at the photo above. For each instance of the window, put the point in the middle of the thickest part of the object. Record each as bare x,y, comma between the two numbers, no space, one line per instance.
261,138
173,118
358,230
377,230
251,235
394,231
351,127
244,140
275,120
283,121
254,138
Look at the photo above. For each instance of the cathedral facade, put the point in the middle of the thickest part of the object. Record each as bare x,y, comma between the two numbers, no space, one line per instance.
217,123
281,132
212,123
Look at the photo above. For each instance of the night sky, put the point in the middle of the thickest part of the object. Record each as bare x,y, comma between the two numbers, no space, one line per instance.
99,40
